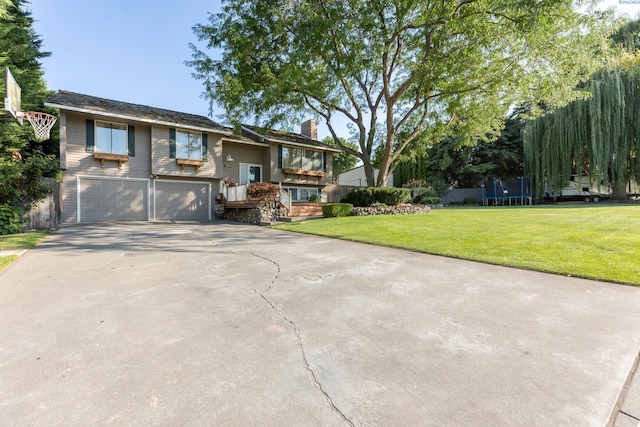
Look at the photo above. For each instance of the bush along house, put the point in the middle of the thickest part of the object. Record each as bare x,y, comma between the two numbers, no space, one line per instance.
129,162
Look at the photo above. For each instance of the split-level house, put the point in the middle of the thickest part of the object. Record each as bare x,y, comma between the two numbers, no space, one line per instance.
124,161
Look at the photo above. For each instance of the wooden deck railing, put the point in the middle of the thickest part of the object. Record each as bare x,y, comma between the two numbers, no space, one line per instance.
238,193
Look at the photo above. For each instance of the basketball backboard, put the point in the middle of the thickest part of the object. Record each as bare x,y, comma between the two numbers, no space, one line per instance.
40,121
13,95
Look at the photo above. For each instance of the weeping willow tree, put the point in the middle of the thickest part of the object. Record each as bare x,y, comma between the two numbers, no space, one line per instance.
597,135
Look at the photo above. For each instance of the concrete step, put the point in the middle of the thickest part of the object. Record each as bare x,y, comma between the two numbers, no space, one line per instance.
300,218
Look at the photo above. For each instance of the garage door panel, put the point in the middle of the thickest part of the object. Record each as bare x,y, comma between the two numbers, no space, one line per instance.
113,200
182,200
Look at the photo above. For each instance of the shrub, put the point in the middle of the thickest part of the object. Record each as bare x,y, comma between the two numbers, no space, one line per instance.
262,190
366,196
417,194
314,198
413,183
331,210
470,201
431,200
10,220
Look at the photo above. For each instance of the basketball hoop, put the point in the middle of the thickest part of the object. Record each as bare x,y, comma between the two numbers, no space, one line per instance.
41,122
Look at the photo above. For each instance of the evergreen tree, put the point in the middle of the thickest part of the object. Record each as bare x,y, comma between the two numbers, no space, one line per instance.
465,166
22,160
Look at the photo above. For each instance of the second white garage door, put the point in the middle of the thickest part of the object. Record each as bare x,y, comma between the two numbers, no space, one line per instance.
182,200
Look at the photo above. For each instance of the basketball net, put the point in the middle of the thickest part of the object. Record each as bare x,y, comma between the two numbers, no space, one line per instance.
41,122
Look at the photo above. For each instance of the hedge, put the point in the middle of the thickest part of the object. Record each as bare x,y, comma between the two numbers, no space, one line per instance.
331,210
431,200
367,196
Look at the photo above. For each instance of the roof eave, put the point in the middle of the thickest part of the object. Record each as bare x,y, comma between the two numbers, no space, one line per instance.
299,144
136,118
240,141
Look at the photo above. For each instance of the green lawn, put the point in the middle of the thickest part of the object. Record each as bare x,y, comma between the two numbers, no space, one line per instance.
19,241
22,240
594,241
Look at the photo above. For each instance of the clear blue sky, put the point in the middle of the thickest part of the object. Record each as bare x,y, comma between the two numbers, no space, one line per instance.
128,50
134,50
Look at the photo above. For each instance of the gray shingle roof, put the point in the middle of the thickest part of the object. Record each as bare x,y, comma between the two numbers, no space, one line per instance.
280,136
92,104
77,101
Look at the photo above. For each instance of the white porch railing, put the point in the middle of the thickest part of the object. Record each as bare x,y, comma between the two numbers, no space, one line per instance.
238,193
285,198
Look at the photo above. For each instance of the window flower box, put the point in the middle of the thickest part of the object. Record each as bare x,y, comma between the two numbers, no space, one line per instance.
120,158
189,162
288,171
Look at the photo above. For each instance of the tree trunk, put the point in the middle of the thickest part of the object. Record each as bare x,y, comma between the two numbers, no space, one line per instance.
368,173
619,191
382,177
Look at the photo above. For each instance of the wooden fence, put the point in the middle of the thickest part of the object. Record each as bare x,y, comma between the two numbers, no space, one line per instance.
47,213
334,193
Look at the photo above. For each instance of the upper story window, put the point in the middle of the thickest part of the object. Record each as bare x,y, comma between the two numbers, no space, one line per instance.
188,148
188,145
111,138
312,160
303,159
291,158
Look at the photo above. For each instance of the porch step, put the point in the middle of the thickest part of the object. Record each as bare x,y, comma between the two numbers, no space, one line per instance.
300,218
306,210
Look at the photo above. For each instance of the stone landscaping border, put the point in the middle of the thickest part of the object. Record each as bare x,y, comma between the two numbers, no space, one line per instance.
392,210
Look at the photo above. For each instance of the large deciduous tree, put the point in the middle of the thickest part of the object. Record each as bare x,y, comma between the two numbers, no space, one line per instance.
598,135
342,161
401,72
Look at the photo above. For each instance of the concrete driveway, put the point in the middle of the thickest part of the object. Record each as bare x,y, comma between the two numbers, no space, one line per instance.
227,324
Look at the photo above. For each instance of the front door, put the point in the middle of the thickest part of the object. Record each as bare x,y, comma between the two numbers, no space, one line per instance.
250,173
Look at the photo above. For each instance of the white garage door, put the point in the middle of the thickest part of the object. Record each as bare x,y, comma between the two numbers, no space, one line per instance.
104,200
182,200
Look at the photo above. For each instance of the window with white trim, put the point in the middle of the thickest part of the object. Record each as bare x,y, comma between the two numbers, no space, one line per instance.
188,145
250,173
312,160
111,138
303,159
301,194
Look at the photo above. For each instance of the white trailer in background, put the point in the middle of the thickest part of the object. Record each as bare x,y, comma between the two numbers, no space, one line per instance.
633,189
580,187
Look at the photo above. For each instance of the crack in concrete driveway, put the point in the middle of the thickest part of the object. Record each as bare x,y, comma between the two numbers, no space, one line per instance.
298,335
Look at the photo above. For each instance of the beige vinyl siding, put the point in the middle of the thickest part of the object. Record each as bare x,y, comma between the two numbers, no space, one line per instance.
79,162
241,153
163,165
278,176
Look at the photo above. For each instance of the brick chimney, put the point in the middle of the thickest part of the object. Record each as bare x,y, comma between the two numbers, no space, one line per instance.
310,129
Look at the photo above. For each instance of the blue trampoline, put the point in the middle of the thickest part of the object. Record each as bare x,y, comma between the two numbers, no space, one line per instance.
499,192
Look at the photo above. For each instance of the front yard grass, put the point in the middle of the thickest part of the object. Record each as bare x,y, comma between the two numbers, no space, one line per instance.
19,241
599,242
